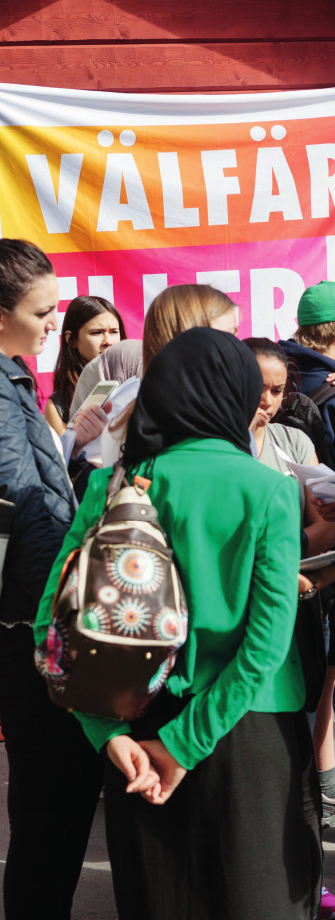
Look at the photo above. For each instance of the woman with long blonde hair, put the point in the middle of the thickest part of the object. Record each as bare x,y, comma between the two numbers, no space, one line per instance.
175,310
182,307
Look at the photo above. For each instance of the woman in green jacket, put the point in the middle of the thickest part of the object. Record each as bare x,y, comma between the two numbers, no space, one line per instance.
225,749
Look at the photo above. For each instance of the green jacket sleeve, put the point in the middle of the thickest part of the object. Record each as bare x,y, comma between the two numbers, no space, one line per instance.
213,712
98,729
88,513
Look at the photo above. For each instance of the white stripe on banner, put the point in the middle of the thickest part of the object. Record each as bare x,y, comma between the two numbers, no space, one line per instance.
51,107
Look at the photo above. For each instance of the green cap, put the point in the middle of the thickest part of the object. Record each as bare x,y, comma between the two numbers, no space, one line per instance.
317,304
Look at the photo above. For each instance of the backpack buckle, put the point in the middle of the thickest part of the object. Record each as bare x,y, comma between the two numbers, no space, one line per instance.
141,485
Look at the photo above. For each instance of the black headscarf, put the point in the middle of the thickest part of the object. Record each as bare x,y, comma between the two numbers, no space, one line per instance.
203,384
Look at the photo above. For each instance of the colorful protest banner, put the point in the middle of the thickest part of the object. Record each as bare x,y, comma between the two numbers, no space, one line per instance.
130,193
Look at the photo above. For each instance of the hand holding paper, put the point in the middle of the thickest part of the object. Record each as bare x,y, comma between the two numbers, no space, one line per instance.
320,480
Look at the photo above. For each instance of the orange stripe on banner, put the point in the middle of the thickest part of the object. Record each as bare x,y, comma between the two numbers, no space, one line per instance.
75,189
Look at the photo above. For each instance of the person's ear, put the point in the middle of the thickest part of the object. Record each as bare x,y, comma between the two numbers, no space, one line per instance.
68,334
2,319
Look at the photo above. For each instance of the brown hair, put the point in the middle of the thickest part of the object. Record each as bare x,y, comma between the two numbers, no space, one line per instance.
69,362
319,336
174,310
178,308
267,348
22,264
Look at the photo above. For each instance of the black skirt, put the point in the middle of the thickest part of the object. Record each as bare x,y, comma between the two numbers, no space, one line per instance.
240,837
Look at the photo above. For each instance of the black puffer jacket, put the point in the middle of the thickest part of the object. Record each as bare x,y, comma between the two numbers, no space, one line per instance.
33,476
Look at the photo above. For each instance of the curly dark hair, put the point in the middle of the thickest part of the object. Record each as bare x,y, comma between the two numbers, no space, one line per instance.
268,349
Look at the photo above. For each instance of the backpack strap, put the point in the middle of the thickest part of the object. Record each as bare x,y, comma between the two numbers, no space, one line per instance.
117,480
141,486
323,393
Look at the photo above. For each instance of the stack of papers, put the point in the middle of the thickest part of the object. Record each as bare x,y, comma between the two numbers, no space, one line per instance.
125,393
320,480
317,562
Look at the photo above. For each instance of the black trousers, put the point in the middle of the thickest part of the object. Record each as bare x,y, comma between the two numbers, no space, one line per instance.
240,836
55,777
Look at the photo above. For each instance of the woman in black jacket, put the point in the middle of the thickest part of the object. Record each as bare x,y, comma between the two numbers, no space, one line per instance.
91,326
54,774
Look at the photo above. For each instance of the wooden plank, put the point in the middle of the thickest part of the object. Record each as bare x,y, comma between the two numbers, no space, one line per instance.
172,68
145,20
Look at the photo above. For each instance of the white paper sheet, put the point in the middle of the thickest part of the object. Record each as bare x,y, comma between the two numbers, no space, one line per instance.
320,480
123,395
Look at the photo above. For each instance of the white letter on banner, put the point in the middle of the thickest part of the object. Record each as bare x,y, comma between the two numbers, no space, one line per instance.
175,215
57,214
321,182
330,243
152,285
265,318
219,186
101,286
122,166
272,160
46,361
67,288
227,281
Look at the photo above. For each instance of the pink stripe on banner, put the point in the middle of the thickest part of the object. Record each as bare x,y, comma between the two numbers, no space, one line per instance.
266,280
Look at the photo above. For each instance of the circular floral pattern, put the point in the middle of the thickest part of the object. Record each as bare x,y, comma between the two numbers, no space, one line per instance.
137,570
159,678
108,594
131,617
96,618
166,624
56,643
71,583
184,616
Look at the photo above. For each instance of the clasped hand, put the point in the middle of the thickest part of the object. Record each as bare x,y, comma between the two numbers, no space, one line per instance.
149,767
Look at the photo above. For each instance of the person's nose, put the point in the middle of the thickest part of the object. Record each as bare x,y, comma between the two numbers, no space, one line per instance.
266,400
107,339
52,322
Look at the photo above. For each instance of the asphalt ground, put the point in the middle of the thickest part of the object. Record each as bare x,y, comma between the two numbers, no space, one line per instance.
94,899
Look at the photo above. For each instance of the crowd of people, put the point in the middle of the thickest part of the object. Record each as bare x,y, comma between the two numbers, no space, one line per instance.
216,798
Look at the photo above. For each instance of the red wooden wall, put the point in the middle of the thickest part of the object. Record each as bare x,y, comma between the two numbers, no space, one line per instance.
168,45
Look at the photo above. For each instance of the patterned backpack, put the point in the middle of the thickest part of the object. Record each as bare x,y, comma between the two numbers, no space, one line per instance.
119,613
